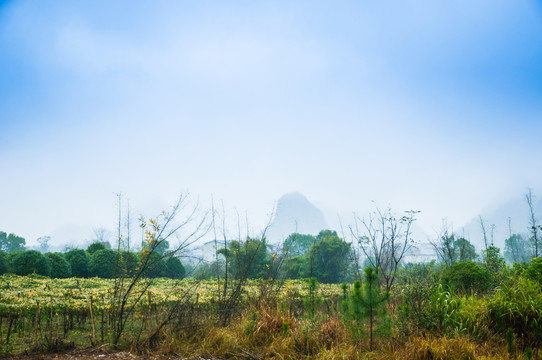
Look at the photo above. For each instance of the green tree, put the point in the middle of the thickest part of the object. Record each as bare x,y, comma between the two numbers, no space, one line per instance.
11,242
247,260
329,257
60,267
3,262
9,259
468,276
30,262
451,249
44,243
128,263
534,270
517,249
298,244
205,271
103,264
368,303
155,266
326,234
96,246
464,250
493,260
446,250
296,267
3,241
174,268
79,260
161,247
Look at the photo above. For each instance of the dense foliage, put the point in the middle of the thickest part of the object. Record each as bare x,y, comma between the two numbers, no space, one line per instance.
60,267
11,242
103,263
79,260
31,262
330,257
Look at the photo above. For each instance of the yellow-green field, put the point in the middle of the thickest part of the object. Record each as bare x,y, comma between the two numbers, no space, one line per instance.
23,293
50,315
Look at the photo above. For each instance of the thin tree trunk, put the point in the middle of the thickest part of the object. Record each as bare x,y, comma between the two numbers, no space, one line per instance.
11,318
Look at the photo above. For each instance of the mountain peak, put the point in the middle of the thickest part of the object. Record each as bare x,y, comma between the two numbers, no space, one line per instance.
295,213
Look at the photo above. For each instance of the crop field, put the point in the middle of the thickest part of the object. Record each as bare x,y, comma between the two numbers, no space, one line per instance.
23,293
35,310
263,319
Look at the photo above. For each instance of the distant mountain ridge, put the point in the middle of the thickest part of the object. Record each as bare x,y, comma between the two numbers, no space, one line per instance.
295,213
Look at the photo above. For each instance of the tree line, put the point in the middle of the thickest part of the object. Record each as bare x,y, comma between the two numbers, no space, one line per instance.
98,260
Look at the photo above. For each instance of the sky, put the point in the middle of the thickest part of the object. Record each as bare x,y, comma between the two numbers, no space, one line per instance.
424,105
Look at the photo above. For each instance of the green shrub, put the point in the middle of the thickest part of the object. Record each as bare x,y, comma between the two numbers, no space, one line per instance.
30,262
297,267
330,256
534,270
79,261
103,264
367,304
9,259
128,263
96,246
60,267
173,268
3,262
154,267
467,276
518,307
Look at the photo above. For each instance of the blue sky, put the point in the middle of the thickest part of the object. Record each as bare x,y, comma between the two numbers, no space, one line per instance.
419,105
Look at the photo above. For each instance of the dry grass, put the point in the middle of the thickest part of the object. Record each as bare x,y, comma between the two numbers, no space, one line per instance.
441,348
264,332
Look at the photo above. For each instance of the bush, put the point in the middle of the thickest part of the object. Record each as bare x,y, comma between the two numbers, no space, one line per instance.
330,256
534,270
30,262
155,266
78,260
128,263
60,267
466,276
103,264
297,267
207,271
92,248
518,307
9,259
3,262
174,269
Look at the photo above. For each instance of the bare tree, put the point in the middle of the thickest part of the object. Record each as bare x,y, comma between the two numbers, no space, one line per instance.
534,224
445,245
481,221
128,228
44,243
184,223
241,256
101,235
385,240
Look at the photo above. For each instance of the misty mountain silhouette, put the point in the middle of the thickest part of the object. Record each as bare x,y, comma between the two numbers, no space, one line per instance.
295,213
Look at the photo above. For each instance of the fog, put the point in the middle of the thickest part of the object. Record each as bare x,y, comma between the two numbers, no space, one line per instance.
430,107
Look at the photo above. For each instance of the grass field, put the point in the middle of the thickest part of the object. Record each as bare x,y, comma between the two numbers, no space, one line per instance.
183,318
36,310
